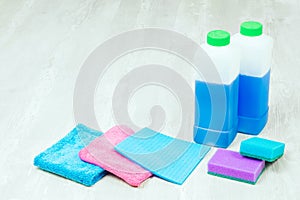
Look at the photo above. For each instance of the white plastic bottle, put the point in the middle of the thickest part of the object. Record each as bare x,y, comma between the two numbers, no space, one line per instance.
256,51
217,100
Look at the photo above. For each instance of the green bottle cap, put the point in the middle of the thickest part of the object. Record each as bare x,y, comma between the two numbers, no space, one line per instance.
251,28
218,38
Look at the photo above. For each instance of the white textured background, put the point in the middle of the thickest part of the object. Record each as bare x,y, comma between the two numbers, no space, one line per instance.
42,46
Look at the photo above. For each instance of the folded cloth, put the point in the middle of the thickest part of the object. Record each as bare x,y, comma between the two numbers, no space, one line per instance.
62,158
101,152
166,157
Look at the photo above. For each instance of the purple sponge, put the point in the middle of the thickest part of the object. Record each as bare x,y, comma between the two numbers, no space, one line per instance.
232,165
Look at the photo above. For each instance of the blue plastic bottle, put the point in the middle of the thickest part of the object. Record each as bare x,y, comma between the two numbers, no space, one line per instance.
216,104
255,50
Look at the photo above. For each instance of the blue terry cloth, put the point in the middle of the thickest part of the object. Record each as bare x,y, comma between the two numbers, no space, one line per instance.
63,159
166,157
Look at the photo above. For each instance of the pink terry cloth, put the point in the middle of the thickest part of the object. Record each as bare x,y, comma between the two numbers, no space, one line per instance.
101,152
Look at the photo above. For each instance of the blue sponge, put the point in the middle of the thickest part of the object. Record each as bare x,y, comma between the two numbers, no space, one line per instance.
62,158
262,149
168,158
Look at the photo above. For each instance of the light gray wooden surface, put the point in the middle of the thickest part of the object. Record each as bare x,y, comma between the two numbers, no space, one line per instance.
42,47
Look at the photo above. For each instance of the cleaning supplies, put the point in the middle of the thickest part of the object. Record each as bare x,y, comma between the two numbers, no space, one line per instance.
62,158
260,148
217,100
232,165
101,152
256,50
166,157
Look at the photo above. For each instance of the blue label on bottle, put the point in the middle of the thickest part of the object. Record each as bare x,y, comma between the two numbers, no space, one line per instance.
253,103
216,113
